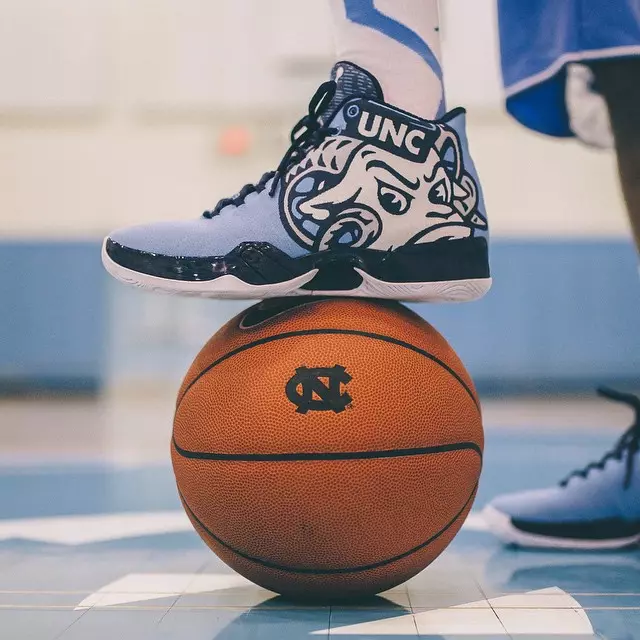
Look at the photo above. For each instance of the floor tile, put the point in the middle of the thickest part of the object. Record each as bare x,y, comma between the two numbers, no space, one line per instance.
8,558
388,600
32,624
132,601
237,624
238,597
40,599
609,601
364,624
183,561
555,636
198,624
452,573
458,622
114,624
68,572
467,599
616,625
472,636
543,622
574,572
158,588
550,598
291,623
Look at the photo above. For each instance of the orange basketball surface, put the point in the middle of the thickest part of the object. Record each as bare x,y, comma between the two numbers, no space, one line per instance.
327,448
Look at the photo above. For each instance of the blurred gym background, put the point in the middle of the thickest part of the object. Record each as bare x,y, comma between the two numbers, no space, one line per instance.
116,112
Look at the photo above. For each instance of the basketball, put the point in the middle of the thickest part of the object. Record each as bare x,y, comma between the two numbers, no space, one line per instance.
327,448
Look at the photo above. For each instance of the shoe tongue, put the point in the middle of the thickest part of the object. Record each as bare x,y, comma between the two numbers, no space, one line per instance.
351,81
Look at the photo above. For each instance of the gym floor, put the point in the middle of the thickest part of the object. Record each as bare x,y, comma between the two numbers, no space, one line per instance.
94,543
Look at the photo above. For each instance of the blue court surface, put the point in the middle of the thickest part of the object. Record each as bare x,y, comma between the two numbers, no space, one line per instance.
94,543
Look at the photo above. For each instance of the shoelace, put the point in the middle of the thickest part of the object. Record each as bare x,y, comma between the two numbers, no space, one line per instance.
628,445
241,196
308,132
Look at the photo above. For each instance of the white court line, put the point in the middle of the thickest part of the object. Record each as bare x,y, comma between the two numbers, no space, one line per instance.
88,529
142,587
545,612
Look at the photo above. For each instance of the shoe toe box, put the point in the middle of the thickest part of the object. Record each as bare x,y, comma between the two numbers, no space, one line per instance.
529,504
560,503
257,220
574,502
192,239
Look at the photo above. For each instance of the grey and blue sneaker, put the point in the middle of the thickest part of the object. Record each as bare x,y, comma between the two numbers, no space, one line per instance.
368,201
595,508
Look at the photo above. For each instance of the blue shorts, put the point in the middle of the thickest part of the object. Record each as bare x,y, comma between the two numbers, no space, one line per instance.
539,38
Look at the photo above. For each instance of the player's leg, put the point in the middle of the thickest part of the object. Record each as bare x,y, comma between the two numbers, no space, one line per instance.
402,52
376,197
597,507
618,80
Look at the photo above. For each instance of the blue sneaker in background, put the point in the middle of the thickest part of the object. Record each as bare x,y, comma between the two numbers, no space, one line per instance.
368,201
595,508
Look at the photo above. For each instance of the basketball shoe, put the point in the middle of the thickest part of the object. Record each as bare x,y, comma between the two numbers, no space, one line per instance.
368,201
595,508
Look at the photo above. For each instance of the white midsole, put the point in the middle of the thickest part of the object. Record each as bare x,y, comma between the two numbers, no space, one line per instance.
500,525
229,286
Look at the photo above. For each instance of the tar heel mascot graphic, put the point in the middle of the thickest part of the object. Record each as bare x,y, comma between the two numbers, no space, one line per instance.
384,181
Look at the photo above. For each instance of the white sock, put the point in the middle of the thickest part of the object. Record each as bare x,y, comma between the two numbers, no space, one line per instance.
398,41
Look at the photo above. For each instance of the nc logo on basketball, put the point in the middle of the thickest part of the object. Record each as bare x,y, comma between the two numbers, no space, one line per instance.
319,389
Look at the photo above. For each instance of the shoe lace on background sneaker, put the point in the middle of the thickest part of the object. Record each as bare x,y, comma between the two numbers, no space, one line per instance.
307,133
628,445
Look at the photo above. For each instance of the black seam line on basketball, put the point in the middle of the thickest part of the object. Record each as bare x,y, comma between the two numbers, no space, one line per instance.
316,332
329,455
368,567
